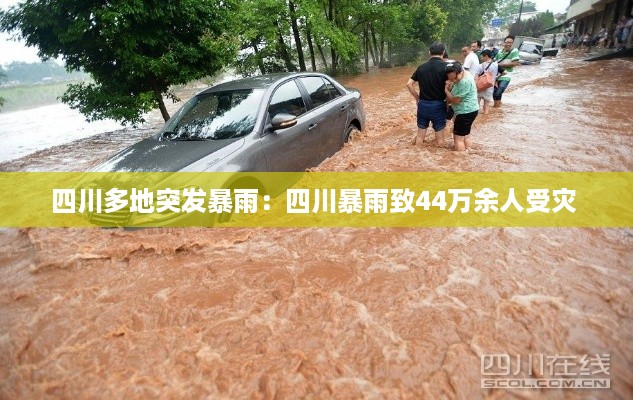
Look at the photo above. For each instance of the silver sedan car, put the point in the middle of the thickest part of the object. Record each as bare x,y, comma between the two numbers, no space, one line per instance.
277,122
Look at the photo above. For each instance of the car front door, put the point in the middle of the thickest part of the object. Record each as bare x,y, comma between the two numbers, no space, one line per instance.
285,149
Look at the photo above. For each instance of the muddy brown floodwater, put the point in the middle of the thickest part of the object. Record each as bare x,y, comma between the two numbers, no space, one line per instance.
338,313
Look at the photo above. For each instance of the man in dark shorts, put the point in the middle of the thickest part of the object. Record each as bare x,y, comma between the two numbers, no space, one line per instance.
431,105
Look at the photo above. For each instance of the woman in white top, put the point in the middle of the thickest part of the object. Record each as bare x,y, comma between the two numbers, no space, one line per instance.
489,65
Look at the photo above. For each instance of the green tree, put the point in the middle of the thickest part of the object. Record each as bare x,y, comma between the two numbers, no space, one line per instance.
508,9
389,29
257,37
34,72
273,32
340,31
534,26
134,50
283,35
547,19
429,21
390,32
270,36
465,20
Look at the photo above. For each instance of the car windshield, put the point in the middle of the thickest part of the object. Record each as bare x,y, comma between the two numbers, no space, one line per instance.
215,116
531,48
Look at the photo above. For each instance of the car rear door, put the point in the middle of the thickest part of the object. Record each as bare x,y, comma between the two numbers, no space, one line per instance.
330,115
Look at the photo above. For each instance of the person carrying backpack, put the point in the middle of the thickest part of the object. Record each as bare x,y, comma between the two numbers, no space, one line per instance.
488,71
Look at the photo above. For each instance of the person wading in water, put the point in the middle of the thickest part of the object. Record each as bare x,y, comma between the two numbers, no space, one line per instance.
507,59
431,105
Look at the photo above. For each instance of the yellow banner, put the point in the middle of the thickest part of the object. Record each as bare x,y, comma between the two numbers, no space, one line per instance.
317,199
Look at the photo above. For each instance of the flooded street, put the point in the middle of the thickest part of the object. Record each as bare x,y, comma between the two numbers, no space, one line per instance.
337,313
36,129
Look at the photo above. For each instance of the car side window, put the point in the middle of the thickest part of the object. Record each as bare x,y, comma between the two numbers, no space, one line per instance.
334,93
287,99
318,90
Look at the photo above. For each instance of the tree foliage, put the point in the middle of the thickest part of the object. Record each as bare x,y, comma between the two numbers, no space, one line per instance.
24,72
508,9
338,35
547,19
133,49
534,26
429,21
466,20
136,50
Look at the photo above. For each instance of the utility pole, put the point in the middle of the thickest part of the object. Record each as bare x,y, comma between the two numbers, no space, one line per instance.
520,11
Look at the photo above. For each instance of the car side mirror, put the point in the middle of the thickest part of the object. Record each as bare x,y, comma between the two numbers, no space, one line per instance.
283,121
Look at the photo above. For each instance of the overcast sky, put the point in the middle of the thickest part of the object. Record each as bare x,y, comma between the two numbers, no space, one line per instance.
17,51
14,51
555,6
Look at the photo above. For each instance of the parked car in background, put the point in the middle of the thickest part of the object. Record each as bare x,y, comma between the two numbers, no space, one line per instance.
530,49
277,122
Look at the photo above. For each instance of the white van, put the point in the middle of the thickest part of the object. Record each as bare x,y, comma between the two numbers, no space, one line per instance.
530,49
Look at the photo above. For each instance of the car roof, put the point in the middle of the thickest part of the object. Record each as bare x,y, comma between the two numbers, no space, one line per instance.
257,82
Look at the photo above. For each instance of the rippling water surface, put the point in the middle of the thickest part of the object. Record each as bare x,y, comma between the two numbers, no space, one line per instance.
25,132
337,313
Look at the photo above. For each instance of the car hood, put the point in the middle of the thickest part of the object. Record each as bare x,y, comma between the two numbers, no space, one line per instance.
152,155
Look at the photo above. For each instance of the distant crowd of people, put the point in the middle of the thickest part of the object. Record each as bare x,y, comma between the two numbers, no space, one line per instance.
449,90
615,36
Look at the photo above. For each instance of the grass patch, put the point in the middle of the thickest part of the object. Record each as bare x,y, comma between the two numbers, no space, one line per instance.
24,97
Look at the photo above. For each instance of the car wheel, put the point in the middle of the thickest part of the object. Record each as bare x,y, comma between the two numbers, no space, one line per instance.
351,133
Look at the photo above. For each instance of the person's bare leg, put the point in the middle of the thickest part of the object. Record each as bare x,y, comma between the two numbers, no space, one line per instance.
486,106
459,143
419,139
467,142
439,138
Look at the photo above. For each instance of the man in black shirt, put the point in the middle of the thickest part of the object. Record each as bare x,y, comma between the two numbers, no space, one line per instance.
431,77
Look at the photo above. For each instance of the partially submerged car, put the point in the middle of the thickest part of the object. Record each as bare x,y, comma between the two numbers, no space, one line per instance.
276,122
530,49
285,122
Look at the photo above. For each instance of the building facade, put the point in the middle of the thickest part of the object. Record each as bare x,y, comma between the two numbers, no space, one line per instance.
590,15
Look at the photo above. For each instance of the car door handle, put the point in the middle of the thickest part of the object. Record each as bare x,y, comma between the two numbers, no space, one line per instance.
343,108
312,126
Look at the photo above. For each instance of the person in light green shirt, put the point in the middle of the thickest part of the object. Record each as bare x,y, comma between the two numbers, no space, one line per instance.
508,58
461,94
